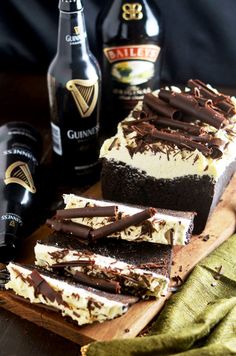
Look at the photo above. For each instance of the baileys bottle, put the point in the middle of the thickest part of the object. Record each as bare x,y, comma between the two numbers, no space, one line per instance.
130,41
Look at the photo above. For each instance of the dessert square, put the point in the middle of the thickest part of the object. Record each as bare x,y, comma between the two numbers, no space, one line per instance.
176,150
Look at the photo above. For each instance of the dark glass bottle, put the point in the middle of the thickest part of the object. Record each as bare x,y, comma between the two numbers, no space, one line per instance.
20,152
130,36
74,84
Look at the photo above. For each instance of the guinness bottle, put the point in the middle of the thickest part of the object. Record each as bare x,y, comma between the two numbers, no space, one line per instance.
130,34
74,82
20,151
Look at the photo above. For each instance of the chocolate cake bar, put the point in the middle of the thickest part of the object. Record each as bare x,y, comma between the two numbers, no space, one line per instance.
82,304
161,226
141,269
176,150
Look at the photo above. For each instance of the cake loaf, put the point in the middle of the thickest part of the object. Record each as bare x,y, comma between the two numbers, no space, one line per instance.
82,304
164,227
141,269
176,150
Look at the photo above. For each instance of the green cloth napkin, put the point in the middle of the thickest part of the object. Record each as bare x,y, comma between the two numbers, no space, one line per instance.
200,319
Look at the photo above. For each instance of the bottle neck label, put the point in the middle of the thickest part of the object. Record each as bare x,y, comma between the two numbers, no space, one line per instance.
72,31
76,37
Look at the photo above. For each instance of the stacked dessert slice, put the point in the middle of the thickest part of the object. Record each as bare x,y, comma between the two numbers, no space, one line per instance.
176,150
82,304
103,251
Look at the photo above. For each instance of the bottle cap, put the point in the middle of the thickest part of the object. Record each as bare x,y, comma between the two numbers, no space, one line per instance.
70,5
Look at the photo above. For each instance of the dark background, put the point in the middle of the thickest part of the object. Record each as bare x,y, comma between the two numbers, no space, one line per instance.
200,37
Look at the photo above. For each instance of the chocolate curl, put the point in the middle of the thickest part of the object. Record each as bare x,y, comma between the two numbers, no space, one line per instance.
102,284
164,121
42,287
70,227
77,263
122,224
221,101
161,107
96,211
181,141
139,114
189,105
147,110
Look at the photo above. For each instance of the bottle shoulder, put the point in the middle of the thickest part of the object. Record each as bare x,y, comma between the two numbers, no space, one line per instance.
64,68
130,23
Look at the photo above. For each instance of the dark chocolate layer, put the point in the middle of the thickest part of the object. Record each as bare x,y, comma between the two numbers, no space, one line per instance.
137,254
188,193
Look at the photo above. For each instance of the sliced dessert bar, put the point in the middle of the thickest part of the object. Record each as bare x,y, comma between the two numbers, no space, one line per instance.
142,269
164,227
82,304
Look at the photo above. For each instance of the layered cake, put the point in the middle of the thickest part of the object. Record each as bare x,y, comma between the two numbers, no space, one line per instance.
161,226
176,150
141,269
82,304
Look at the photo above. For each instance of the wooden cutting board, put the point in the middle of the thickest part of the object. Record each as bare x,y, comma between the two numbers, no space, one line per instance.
220,226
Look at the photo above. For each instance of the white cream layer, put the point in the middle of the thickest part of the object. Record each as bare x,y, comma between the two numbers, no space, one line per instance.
177,163
105,267
76,298
164,226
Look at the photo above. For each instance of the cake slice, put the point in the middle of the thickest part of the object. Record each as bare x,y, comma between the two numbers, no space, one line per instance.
141,269
176,150
82,304
164,227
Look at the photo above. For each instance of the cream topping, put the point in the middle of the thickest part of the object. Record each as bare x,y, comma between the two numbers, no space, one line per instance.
76,299
166,229
169,164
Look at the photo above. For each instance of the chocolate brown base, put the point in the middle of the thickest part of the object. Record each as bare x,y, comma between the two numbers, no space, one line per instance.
134,253
124,184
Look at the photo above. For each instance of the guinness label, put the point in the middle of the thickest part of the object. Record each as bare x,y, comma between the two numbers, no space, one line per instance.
85,94
19,173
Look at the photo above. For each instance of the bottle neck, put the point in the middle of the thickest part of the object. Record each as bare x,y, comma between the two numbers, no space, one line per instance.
72,35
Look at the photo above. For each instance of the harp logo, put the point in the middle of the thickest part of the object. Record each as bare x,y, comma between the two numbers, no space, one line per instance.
19,173
85,94
77,30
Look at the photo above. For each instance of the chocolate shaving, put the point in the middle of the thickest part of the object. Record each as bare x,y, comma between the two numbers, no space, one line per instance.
95,211
102,284
151,265
113,144
69,227
181,141
161,107
73,263
41,286
221,101
177,279
164,121
188,104
122,224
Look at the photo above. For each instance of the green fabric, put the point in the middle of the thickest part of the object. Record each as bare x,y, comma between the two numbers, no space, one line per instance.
198,320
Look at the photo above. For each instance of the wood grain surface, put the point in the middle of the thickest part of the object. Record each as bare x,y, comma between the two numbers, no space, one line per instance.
220,226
